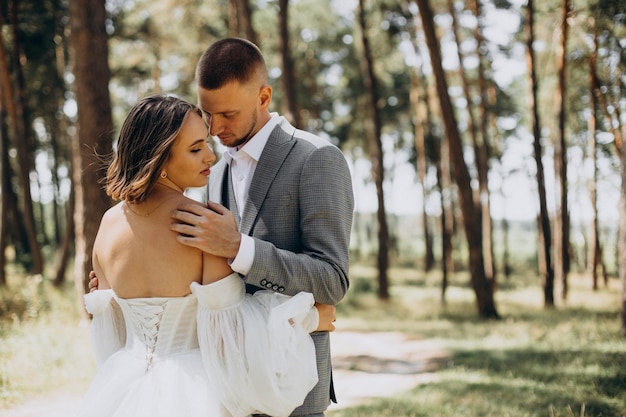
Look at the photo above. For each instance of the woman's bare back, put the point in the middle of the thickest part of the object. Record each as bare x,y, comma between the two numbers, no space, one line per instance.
137,255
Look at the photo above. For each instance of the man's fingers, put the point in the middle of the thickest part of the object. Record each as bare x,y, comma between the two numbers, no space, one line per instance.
216,207
184,230
185,216
189,241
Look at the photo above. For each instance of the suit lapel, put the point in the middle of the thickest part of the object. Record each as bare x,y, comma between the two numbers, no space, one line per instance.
229,197
220,188
216,182
276,150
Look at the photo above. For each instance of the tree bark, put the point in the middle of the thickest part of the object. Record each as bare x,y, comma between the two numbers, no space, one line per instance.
65,248
544,233
471,216
4,196
482,148
561,235
622,240
240,20
14,100
419,102
593,239
373,129
89,48
288,78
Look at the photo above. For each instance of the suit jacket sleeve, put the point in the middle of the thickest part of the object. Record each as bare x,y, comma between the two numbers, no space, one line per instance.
302,229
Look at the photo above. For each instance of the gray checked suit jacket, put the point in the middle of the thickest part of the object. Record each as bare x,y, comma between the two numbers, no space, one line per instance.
299,212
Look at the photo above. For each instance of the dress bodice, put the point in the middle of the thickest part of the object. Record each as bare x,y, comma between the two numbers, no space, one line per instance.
235,354
160,327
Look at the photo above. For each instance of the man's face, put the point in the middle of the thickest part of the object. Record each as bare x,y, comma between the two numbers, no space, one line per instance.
233,112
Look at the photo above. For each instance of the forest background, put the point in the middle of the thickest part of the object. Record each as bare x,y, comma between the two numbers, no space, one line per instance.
484,137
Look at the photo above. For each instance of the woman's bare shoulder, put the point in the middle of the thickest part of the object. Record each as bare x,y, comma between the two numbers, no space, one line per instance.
183,199
113,213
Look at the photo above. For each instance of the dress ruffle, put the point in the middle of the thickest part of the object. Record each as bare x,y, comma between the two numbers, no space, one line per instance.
217,352
255,347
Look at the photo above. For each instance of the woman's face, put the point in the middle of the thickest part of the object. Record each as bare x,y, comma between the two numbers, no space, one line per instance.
191,156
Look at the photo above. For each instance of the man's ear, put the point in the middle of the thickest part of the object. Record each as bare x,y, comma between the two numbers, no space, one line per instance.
265,97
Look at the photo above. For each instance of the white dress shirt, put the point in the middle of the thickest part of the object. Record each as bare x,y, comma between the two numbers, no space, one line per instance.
242,163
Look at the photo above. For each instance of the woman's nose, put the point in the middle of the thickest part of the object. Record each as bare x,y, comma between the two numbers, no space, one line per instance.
210,156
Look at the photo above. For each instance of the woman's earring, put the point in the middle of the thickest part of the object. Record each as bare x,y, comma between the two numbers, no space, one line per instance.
163,174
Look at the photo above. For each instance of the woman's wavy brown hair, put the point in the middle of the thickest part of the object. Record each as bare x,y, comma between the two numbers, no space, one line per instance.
146,138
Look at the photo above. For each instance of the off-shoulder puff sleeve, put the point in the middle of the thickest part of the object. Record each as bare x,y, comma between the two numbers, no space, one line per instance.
108,331
255,347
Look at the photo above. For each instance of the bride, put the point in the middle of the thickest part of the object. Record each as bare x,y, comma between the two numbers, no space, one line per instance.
173,330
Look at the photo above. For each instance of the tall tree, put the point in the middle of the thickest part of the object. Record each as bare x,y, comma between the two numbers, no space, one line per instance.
288,78
373,130
482,286
419,101
482,148
89,48
240,20
545,262
561,234
22,138
4,196
421,110
593,254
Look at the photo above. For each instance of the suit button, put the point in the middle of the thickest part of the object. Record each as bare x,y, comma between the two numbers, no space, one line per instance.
263,282
281,289
275,287
268,285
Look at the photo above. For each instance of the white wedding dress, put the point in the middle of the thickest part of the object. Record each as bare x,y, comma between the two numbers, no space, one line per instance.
217,352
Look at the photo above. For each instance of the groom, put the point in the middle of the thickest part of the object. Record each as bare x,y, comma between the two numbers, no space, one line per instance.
286,199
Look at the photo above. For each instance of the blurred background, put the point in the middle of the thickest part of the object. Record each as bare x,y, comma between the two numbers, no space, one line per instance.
484,139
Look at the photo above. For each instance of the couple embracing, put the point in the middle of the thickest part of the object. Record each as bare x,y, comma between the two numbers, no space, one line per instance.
221,309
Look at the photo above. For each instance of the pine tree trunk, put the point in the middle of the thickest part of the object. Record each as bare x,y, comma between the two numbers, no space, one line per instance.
561,236
290,105
14,101
482,148
592,258
471,216
419,103
4,196
372,126
89,48
544,233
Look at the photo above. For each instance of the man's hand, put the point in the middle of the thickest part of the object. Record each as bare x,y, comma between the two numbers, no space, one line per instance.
93,281
212,230
327,317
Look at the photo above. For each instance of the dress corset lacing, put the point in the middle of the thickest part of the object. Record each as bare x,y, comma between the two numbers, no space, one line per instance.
149,318
147,335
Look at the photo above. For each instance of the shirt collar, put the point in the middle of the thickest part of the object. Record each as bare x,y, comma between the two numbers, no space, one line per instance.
254,147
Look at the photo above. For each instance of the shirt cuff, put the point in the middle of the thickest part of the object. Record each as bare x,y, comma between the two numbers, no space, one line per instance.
243,261
310,321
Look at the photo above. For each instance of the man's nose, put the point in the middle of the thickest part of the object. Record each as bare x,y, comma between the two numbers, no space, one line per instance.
215,128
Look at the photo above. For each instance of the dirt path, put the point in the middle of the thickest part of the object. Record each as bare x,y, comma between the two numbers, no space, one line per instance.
369,365
365,365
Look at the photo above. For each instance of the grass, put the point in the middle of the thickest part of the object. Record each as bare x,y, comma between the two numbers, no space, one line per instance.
564,362
44,348
568,361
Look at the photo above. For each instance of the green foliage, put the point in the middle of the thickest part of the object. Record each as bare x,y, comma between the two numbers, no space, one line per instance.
22,301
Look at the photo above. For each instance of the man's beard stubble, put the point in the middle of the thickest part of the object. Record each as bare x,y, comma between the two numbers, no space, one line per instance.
249,134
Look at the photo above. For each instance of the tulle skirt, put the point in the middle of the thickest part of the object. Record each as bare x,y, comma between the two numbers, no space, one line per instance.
177,386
